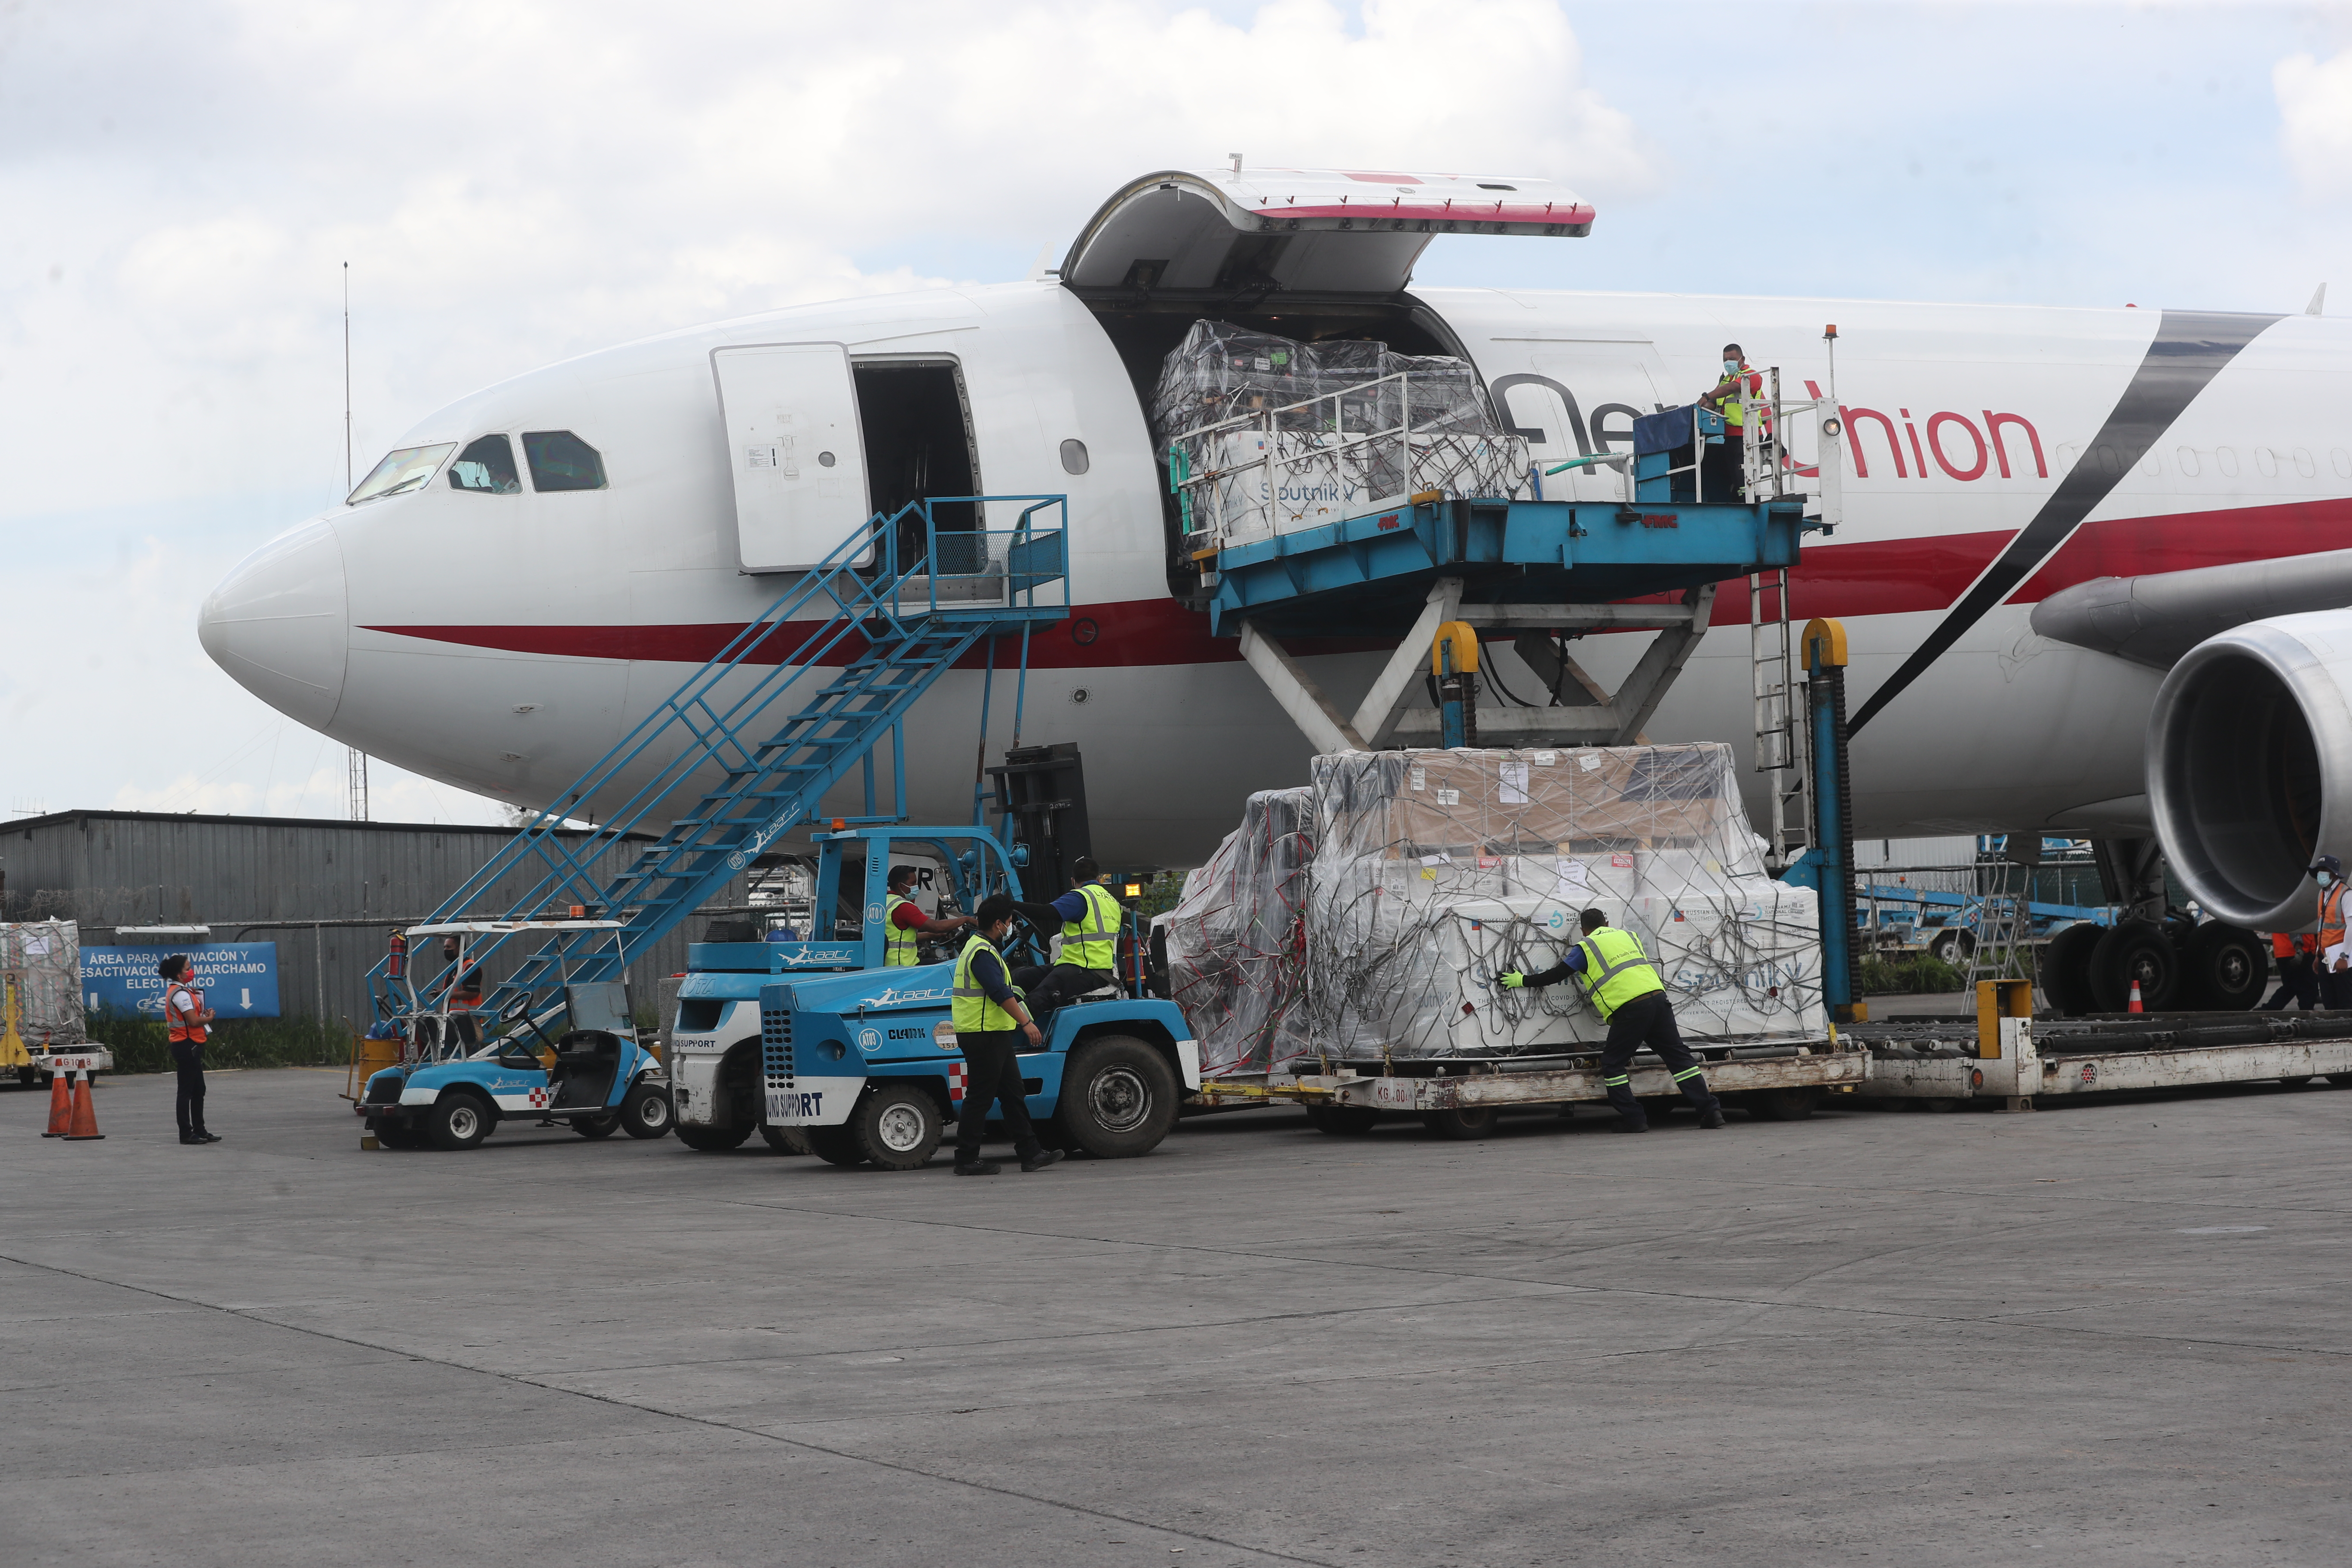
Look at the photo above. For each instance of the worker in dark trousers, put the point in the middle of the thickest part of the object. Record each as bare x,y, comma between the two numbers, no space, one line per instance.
185,1015
1087,919
1720,464
990,1024
2334,965
1617,977
2298,972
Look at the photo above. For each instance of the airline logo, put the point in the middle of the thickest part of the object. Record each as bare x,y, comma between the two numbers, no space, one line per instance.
891,996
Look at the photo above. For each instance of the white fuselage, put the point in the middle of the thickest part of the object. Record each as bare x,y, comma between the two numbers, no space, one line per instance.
502,642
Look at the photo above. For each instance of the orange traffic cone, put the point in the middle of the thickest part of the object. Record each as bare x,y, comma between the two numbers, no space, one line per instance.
61,1105
85,1114
2134,1006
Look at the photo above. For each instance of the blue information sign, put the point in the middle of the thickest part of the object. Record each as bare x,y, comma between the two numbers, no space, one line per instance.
239,980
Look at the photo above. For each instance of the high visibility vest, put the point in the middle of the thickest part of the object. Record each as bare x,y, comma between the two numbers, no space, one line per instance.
2331,916
187,1023
897,941
1093,942
2285,946
1616,970
1750,383
975,1013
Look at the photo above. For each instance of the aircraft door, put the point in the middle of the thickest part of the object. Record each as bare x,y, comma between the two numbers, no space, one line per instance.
794,449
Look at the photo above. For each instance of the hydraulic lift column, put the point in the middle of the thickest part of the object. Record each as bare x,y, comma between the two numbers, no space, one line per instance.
1824,659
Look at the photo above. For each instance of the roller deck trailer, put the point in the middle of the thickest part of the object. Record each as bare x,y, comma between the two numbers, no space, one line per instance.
1463,1097
2004,1055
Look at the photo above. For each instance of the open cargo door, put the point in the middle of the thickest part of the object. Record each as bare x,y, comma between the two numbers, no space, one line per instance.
796,451
1322,231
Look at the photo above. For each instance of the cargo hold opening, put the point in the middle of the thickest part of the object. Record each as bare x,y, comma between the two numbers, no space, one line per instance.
917,423
1146,324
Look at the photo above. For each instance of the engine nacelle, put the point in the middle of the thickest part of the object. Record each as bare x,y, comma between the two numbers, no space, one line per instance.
2250,765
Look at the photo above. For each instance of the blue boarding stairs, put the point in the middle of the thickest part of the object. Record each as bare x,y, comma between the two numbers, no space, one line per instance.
793,702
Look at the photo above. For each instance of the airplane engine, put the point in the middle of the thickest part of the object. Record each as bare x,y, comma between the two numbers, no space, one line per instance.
2250,765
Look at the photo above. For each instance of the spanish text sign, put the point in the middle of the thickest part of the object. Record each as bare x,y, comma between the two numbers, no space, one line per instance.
239,980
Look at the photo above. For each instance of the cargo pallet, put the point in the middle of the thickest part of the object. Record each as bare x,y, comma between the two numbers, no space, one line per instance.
2005,1055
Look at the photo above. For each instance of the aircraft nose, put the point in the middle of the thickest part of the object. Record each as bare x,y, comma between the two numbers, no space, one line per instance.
280,625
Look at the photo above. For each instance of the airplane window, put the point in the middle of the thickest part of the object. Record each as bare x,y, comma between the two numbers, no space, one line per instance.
2267,461
2188,461
562,461
487,466
2226,459
2110,460
399,472
2304,464
1074,457
2342,460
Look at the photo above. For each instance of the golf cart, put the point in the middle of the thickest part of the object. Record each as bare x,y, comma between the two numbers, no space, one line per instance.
577,1061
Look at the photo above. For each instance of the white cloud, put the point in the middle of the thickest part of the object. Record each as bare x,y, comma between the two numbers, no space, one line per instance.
2315,99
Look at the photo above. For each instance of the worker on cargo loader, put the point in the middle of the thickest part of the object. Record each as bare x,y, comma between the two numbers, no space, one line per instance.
1617,977
1719,470
2334,965
2299,970
987,1016
904,923
1087,920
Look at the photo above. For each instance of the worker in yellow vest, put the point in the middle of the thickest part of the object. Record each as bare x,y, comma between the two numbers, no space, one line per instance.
903,923
1720,466
990,1024
1616,977
1087,920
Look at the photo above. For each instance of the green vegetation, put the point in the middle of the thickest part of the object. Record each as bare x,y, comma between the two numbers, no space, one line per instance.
141,1044
1159,895
1921,971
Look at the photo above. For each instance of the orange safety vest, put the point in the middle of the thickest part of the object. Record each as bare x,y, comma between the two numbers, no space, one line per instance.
2331,916
2284,945
188,1025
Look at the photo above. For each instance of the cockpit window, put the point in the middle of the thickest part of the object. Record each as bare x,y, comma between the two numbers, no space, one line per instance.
406,469
562,461
485,467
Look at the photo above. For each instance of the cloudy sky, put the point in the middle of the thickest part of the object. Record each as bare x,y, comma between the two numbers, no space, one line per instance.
514,180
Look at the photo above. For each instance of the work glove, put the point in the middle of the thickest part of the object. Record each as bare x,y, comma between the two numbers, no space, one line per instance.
1512,981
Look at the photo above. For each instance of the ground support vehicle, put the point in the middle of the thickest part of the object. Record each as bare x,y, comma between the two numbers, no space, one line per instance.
578,1062
2005,1055
714,1059
43,1062
1460,1097
865,1067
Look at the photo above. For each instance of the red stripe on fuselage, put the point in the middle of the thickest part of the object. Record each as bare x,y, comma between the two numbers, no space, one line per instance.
1877,578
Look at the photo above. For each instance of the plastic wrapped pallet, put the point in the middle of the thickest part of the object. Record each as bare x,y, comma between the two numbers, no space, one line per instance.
1350,426
1435,870
42,959
1234,940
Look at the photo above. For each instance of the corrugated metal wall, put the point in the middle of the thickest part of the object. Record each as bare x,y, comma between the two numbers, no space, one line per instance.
107,868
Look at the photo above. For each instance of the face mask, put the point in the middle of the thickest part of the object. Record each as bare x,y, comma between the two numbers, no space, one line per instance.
2325,878
1731,367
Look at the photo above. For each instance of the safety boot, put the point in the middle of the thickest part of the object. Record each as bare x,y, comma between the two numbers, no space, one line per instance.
977,1167
1711,1118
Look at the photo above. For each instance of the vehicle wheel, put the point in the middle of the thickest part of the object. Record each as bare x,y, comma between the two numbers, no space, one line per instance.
603,1126
785,1140
2224,969
1783,1104
1953,947
1119,1098
2135,950
396,1134
898,1127
1462,1123
833,1145
1343,1120
713,1139
645,1111
458,1120
2066,968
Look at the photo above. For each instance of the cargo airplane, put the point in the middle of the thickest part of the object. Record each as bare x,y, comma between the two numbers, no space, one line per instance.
2068,533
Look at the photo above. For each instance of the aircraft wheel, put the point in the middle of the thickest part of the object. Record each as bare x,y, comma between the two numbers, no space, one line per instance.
458,1120
2066,968
2224,969
2135,950
645,1111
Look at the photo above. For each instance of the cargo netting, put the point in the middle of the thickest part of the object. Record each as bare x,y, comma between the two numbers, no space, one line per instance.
1263,435
1436,871
41,960
1235,942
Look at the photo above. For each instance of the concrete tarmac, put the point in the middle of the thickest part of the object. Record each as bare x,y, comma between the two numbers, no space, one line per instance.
2113,1333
